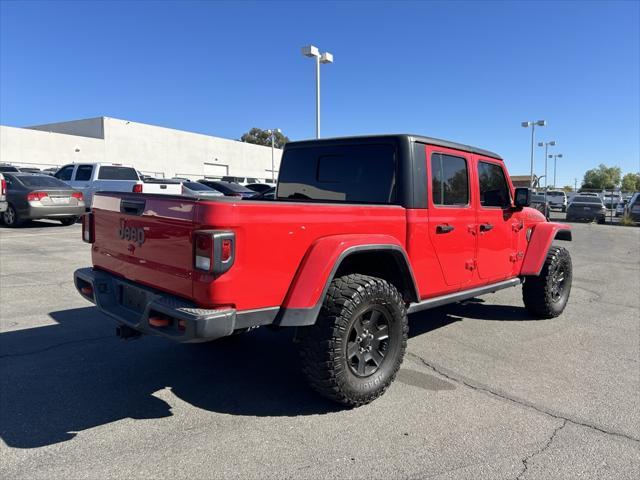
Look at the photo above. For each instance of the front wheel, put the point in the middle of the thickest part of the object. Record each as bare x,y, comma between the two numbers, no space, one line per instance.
354,351
547,295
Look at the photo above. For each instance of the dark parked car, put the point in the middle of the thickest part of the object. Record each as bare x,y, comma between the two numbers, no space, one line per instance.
200,190
633,207
4,168
269,194
584,207
538,202
229,189
259,187
32,197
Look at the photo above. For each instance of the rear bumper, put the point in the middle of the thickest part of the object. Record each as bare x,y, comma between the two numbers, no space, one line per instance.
3,206
188,323
57,211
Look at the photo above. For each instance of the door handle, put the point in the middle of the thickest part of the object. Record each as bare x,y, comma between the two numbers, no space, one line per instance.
485,227
444,228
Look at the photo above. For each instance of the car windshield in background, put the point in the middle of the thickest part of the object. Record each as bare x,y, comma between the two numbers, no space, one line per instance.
233,187
8,168
555,194
537,198
583,199
364,173
198,187
41,181
117,173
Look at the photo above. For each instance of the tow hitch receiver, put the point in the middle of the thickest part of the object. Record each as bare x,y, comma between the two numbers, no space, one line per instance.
127,333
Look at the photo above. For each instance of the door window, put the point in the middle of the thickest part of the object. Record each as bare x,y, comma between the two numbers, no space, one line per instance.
65,173
494,191
449,180
83,174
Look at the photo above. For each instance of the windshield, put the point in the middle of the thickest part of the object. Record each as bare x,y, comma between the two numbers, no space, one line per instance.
583,199
555,194
117,173
41,181
198,186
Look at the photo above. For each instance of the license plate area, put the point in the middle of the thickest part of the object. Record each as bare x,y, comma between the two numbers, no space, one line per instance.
60,200
133,298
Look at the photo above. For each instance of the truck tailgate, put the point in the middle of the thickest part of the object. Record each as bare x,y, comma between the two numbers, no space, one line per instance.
146,239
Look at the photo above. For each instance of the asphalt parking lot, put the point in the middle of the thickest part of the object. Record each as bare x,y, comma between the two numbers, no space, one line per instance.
485,391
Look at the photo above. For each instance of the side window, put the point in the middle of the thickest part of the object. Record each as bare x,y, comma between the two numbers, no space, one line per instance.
449,180
494,191
83,173
65,173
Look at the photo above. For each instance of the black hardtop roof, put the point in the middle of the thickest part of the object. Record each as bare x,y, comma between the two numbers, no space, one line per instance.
398,136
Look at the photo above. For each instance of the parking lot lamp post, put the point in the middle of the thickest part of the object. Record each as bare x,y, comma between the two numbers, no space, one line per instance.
326,57
532,124
273,161
546,146
555,159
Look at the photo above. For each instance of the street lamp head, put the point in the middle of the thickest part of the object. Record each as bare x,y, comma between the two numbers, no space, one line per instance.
526,124
310,51
559,155
550,156
552,143
540,144
541,123
326,57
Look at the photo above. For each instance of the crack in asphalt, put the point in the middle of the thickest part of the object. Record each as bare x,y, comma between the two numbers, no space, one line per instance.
51,347
521,402
525,460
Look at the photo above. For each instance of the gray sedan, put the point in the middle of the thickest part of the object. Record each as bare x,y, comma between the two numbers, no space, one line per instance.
32,196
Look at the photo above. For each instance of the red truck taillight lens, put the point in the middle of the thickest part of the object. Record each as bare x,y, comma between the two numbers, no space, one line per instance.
88,228
33,196
77,195
137,188
3,187
214,251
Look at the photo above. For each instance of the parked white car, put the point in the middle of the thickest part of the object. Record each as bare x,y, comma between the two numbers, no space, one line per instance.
3,194
611,200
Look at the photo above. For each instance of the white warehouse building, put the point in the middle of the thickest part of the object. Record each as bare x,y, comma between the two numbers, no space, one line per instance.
153,150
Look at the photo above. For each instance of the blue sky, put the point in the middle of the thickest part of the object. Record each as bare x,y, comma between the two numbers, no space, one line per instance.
464,71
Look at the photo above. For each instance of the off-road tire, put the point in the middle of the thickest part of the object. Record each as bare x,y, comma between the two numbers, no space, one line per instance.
542,295
323,346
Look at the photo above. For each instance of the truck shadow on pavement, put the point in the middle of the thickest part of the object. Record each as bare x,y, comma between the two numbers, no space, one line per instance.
61,379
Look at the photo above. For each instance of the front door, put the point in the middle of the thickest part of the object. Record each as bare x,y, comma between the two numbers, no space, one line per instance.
497,225
451,214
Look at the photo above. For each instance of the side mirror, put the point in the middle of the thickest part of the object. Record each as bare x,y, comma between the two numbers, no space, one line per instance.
522,197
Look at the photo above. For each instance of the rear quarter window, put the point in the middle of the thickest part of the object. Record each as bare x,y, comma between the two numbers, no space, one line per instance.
117,173
363,173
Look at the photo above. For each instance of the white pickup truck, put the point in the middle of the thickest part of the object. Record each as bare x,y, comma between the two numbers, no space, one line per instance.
90,178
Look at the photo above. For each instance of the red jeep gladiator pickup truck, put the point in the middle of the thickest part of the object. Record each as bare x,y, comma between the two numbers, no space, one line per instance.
362,231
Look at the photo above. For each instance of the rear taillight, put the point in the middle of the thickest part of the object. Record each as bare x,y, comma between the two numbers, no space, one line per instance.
214,251
77,195
88,228
3,187
235,195
34,196
137,188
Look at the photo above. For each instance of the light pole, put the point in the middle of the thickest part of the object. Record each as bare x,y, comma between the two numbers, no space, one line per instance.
273,161
555,159
326,57
546,146
532,124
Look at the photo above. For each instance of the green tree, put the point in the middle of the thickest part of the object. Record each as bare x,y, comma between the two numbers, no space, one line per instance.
567,188
602,177
631,182
263,137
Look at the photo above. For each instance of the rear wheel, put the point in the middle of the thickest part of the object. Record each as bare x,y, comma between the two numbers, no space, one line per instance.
547,294
68,221
353,352
10,217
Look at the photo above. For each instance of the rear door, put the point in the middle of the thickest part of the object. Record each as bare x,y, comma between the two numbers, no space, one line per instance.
451,214
497,225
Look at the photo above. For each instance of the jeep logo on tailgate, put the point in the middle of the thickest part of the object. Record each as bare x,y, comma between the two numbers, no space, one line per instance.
131,234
